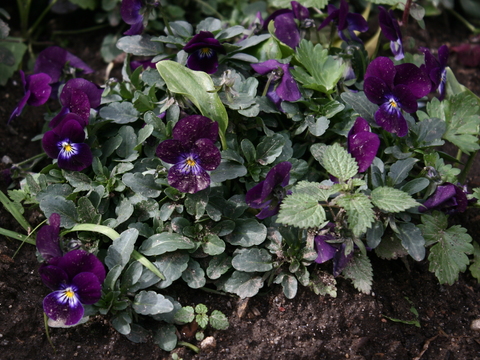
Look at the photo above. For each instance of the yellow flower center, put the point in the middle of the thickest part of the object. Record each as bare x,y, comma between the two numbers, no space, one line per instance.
190,162
205,52
393,103
67,147
69,293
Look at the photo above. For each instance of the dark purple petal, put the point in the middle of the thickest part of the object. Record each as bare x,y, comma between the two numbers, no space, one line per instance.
79,104
188,182
135,29
47,240
58,121
266,66
391,120
18,110
78,261
342,15
204,59
389,24
170,151
382,68
191,128
62,309
286,30
53,59
443,53
287,89
59,117
405,99
253,197
53,276
209,156
49,143
340,260
70,129
270,208
376,90
204,39
279,175
333,14
363,147
461,198
301,12
360,125
40,89
324,250
412,76
89,288
130,11
93,92
273,16
76,158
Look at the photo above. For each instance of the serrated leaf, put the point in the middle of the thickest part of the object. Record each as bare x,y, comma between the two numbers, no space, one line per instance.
252,260
319,70
392,200
185,315
313,190
218,320
151,303
121,249
448,257
78,180
165,242
243,284
359,271
359,102
302,211
339,163
323,283
359,212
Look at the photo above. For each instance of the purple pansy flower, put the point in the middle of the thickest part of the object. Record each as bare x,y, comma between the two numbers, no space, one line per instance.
78,96
203,49
394,89
282,86
327,251
66,144
286,28
132,15
447,197
269,193
362,144
193,153
436,69
52,61
391,30
346,22
37,91
75,277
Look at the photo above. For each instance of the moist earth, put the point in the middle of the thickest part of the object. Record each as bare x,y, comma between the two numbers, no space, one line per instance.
269,326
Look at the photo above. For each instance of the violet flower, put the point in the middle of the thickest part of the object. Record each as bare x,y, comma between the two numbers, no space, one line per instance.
448,197
193,153
78,96
53,60
37,91
281,85
391,30
394,89
130,11
286,28
75,277
76,280
362,144
66,144
346,22
203,49
269,193
436,69
327,251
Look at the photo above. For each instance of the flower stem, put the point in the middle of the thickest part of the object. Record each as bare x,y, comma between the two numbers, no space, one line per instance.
468,166
40,17
38,156
188,345
464,21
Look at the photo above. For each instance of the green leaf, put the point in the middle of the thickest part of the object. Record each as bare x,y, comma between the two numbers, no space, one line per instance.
87,213
78,180
120,113
194,275
121,322
197,87
218,266
141,45
213,245
412,240
109,50
313,190
324,283
252,260
320,71
448,257
166,337
65,208
17,48
142,184
202,320
400,170
159,244
269,149
359,102
289,284
121,249
475,265
359,212
359,271
243,284
218,320
392,200
151,303
302,211
338,162
172,266
228,170
247,232
185,315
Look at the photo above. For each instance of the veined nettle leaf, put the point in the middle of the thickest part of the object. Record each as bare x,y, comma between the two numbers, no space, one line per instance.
359,270
197,87
448,257
320,71
338,162
303,211
359,212
392,200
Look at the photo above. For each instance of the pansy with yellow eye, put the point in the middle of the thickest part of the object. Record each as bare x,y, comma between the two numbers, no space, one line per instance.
203,49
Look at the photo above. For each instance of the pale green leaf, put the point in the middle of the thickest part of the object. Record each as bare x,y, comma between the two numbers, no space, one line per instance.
151,303
218,320
165,242
243,284
194,275
475,265
302,211
121,249
339,163
392,200
289,284
359,271
359,212
412,240
252,260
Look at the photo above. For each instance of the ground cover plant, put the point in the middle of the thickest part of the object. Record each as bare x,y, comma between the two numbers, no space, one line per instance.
248,173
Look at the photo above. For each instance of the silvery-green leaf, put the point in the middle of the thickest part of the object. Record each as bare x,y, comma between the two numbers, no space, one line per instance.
252,260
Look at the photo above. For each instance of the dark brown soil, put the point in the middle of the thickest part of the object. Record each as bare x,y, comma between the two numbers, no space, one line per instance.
268,326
